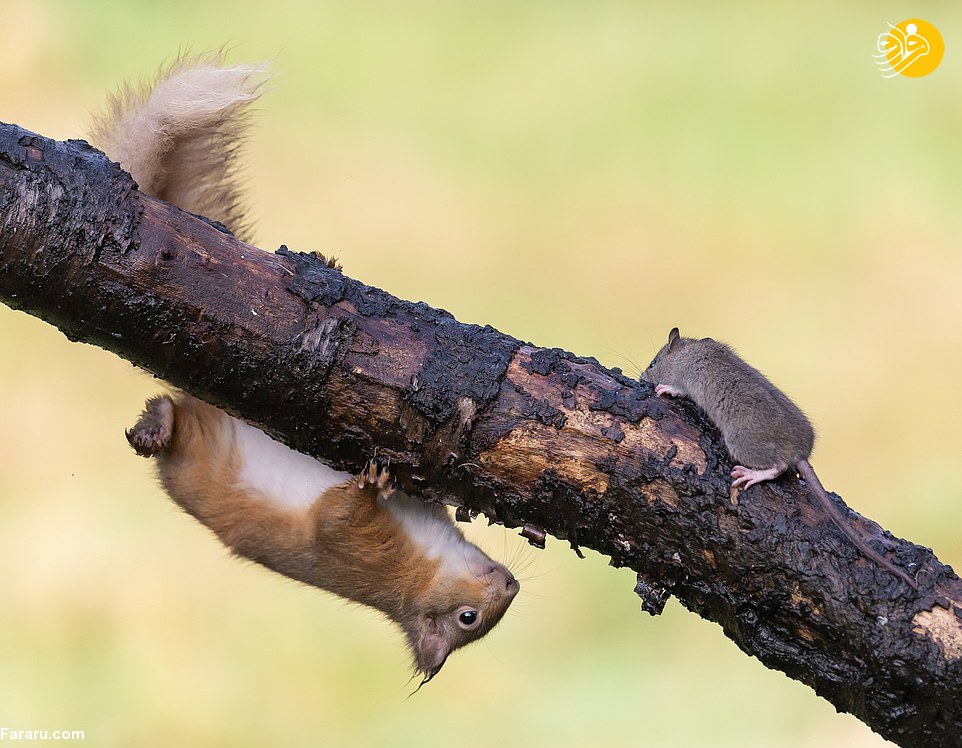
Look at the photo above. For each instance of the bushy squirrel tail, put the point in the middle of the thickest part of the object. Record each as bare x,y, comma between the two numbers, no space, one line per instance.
178,136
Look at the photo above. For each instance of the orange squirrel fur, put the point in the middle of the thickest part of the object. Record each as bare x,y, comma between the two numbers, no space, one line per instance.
355,536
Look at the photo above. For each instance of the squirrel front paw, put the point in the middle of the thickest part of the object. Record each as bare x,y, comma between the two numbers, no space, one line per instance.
376,473
331,262
155,427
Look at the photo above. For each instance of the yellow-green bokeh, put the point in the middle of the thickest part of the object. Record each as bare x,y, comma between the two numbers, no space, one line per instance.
578,174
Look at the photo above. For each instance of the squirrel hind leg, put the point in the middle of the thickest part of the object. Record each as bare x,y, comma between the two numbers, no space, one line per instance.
154,429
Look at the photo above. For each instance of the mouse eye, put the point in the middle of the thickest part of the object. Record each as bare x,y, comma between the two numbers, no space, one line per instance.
468,618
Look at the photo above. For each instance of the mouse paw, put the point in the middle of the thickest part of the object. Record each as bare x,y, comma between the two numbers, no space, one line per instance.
664,389
155,427
748,477
377,473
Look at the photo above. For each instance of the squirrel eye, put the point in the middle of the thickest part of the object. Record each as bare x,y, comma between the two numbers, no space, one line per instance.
467,618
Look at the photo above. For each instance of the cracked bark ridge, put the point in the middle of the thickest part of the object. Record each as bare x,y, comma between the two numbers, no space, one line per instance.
469,416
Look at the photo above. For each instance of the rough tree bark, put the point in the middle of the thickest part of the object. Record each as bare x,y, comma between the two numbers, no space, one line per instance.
473,417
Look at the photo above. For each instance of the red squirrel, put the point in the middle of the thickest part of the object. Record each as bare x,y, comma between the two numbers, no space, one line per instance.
356,536
762,428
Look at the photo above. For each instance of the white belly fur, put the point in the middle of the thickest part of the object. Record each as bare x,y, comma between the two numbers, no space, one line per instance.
281,475
294,480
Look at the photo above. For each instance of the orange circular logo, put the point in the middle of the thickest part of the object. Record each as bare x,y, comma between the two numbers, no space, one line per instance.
912,48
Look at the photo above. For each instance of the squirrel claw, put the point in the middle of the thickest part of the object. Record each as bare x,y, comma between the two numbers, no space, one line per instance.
377,473
154,429
329,262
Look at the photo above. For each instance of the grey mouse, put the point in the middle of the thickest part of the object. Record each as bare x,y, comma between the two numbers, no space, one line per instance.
765,432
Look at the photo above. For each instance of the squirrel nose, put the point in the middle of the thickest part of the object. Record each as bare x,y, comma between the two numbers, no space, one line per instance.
510,583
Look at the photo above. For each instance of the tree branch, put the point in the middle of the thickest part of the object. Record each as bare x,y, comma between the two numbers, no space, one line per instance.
469,416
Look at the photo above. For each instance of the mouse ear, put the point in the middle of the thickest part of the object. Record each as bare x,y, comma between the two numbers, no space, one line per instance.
673,337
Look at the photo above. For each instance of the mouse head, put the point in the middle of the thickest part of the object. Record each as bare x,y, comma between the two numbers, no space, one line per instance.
465,600
666,366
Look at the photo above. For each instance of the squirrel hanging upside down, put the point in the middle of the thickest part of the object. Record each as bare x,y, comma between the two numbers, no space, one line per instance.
356,536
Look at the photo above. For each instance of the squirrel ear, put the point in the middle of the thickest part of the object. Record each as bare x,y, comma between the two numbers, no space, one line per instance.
673,337
431,648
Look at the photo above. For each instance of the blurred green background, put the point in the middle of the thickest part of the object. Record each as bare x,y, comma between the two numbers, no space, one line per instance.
582,175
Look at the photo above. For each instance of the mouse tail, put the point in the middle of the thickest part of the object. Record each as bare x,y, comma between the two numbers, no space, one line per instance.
805,469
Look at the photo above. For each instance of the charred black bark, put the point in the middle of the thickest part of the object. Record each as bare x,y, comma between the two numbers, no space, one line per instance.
470,416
